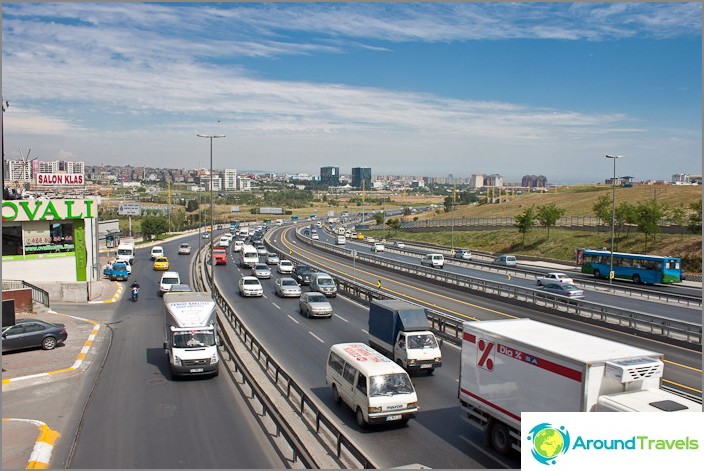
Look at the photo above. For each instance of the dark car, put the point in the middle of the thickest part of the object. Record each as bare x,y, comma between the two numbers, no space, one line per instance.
30,333
302,273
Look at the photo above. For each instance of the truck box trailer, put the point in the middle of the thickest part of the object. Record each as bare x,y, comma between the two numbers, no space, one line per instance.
521,365
399,330
191,337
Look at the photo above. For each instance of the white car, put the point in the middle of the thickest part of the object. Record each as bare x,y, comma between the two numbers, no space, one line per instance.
371,240
554,277
399,244
378,247
250,286
315,236
184,249
157,251
285,266
287,287
168,279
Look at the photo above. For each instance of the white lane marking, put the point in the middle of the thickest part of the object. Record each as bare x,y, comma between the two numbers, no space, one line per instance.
294,320
275,305
318,338
365,331
342,318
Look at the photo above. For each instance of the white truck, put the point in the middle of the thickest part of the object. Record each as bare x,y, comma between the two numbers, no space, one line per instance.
125,250
521,365
191,336
399,330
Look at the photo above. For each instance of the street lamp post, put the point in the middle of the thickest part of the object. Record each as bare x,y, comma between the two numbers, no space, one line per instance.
613,215
212,232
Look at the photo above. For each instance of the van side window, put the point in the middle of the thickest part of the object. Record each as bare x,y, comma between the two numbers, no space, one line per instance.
348,374
336,362
362,384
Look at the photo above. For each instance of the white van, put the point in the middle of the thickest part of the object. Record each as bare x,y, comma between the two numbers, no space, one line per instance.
248,256
168,279
157,251
434,260
373,386
341,240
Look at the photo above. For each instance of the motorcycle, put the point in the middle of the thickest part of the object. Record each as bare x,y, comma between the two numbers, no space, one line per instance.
135,294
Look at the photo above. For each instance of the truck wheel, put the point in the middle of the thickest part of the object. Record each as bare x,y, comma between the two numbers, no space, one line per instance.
360,418
336,395
636,279
500,439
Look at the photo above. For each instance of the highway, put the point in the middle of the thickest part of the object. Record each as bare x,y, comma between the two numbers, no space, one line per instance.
138,418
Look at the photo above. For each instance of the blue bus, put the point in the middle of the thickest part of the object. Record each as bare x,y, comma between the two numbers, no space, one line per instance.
650,269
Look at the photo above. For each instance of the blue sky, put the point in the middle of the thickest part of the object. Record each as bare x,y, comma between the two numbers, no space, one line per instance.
405,88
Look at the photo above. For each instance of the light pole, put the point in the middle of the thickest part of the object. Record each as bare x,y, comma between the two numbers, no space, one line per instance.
613,215
212,232
5,106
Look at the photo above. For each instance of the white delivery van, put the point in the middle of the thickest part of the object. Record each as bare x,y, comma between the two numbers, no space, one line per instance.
434,260
248,256
374,387
125,251
191,337
341,240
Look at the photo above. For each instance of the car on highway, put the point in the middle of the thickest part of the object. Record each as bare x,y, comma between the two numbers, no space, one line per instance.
261,271
223,242
161,264
180,288
206,235
32,333
399,245
261,250
157,251
184,249
463,254
287,287
323,283
505,260
563,289
284,266
250,286
301,273
433,260
553,277
371,240
314,304
378,247
272,259
168,279
315,236
238,245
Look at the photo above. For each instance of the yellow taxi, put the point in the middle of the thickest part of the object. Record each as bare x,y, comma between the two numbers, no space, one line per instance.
161,264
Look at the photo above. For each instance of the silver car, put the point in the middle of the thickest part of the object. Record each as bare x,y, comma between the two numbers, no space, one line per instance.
285,266
314,304
287,287
564,289
261,250
272,259
261,270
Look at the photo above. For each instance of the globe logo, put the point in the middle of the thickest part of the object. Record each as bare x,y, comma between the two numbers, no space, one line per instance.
548,442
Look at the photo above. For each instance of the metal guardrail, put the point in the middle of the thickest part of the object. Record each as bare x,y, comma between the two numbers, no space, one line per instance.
614,317
342,447
38,295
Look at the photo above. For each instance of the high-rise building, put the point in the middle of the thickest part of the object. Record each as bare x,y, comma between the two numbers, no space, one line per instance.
206,179
330,176
230,179
534,181
18,170
362,177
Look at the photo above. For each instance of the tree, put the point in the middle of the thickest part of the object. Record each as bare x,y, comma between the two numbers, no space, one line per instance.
548,215
524,222
649,215
379,218
153,226
626,213
602,209
394,223
191,205
695,219
678,217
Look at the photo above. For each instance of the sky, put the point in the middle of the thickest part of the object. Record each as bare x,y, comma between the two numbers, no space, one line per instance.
417,89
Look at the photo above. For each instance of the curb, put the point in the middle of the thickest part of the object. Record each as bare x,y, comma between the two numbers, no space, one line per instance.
44,445
115,298
76,364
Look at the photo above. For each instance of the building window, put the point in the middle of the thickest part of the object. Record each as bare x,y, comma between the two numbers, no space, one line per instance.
11,239
40,238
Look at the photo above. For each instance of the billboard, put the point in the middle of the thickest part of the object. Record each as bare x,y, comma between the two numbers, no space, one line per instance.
60,179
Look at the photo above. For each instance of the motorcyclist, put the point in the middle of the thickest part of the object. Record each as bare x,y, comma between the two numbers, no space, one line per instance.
135,290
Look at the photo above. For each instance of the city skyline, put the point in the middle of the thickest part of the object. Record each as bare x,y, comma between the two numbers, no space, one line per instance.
417,88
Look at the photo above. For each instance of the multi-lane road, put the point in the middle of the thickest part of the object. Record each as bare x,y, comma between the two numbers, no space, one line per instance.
138,418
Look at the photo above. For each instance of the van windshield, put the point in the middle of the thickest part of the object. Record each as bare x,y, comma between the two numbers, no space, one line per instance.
325,281
194,339
124,251
389,385
422,341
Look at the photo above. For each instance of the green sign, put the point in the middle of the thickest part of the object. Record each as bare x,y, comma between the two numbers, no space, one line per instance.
46,210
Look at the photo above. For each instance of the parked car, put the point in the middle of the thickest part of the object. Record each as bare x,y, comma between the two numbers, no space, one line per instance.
250,286
285,266
302,273
261,271
272,259
378,247
161,264
463,254
184,249
505,260
287,287
554,278
32,333
563,289
157,251
314,304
